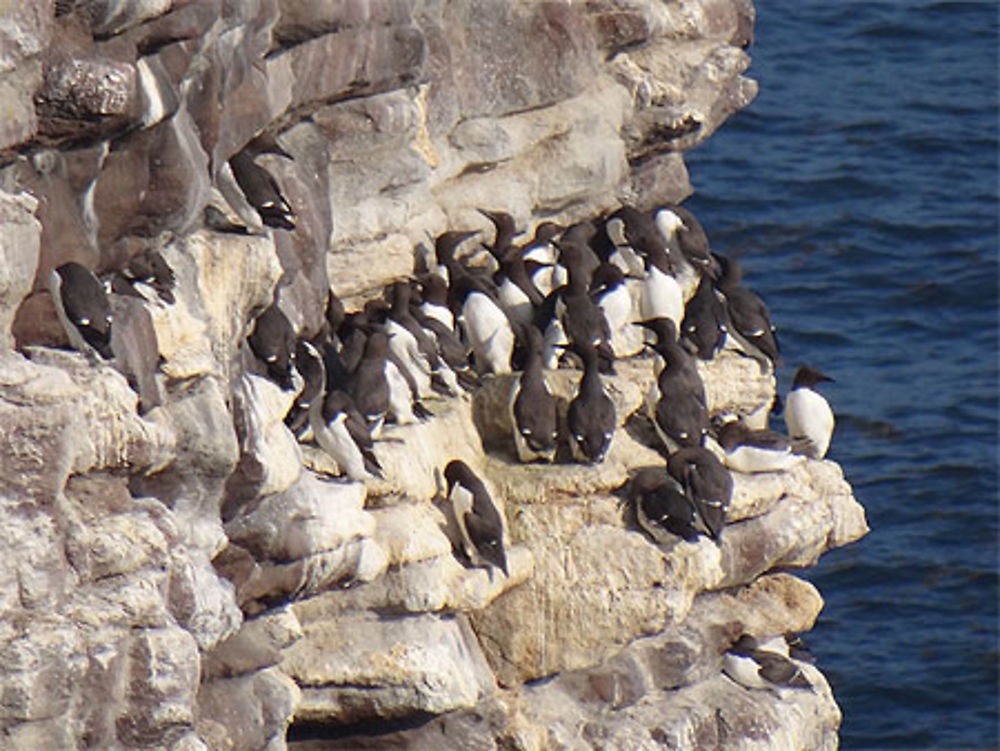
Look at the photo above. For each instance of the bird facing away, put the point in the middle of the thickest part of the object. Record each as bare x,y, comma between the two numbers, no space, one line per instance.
534,412
808,415
479,520
273,341
591,416
81,302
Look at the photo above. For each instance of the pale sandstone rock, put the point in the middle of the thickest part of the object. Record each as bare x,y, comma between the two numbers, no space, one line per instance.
366,667
253,710
19,249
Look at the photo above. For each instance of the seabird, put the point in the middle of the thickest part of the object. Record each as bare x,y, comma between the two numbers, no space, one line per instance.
516,292
341,431
662,509
580,319
533,409
751,451
608,290
625,229
479,520
81,303
660,295
591,416
450,347
749,321
486,326
147,268
261,189
434,299
542,250
273,341
309,364
703,329
506,231
369,385
680,411
690,237
706,482
445,245
753,667
807,414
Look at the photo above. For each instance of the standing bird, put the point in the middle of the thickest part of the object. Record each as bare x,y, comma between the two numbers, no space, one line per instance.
309,364
434,300
541,250
506,231
486,326
261,189
608,290
703,330
369,385
662,509
273,341
479,520
706,482
516,292
749,320
81,303
807,414
753,667
533,409
753,451
591,416
341,431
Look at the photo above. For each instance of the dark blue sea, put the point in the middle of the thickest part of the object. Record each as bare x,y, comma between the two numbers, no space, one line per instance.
860,189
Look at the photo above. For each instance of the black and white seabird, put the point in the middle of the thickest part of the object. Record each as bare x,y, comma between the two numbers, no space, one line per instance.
629,236
81,302
273,341
749,320
341,431
506,231
434,299
479,520
662,509
754,667
261,190
608,290
748,450
660,295
533,409
486,326
369,385
706,482
445,245
680,411
807,413
591,417
453,351
578,319
516,292
683,231
309,364
147,268
703,330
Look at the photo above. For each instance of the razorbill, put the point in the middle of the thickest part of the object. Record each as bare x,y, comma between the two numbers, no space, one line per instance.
807,414
591,416
261,190
661,508
273,342
81,303
754,667
533,410
747,450
706,482
479,520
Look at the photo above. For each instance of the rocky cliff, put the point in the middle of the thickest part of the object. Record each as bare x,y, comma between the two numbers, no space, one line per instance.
192,577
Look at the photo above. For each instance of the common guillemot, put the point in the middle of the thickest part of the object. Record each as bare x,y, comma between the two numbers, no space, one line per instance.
749,320
261,189
754,667
533,409
479,520
591,417
807,413
81,303
273,341
747,450
343,434
706,482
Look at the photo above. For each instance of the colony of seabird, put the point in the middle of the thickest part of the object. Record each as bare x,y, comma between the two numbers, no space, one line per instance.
477,307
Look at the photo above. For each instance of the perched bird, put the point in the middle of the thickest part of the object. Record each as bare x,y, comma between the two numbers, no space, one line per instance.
608,290
630,236
81,303
506,231
445,245
591,416
703,330
342,432
579,319
706,482
369,385
479,520
753,667
455,354
807,414
749,321
486,326
660,295
533,409
747,450
542,251
678,406
309,364
273,341
434,300
516,292
261,189
147,268
683,231
662,509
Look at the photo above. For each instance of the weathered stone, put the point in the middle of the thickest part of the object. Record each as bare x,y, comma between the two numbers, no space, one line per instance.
364,667
107,17
256,645
86,98
161,686
19,248
253,709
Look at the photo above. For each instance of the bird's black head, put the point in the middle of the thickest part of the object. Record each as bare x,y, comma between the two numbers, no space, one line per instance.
809,377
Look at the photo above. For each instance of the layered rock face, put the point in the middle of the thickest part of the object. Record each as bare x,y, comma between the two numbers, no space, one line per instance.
192,577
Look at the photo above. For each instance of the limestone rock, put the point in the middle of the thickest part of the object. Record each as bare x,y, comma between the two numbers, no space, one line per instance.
362,667
252,710
19,246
